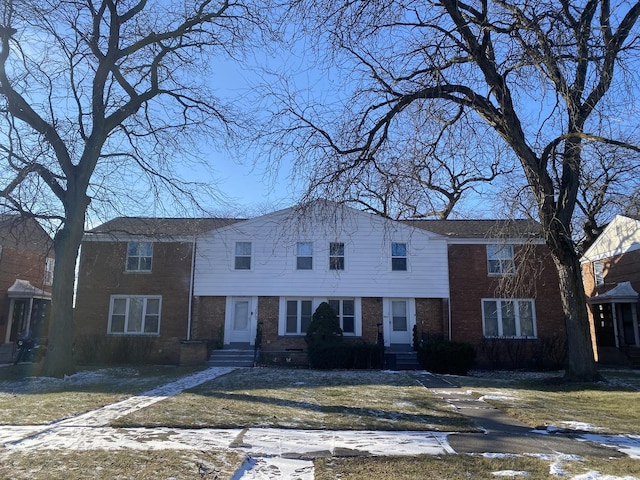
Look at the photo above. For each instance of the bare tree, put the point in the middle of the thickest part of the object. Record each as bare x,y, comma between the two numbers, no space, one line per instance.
97,97
547,77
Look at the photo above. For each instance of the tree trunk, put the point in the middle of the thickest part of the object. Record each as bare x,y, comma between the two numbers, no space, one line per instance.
58,360
580,363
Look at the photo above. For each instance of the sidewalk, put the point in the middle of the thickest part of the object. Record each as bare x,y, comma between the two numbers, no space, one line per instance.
284,453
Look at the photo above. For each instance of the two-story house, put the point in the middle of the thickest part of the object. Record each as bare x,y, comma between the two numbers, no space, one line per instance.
451,279
26,275
611,273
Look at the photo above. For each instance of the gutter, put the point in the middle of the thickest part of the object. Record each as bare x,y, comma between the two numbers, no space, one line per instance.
191,281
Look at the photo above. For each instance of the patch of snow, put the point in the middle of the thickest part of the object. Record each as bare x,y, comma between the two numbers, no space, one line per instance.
585,427
275,467
593,475
499,455
510,473
628,444
502,398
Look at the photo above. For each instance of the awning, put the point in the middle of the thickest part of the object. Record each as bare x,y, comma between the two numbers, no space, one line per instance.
24,289
621,293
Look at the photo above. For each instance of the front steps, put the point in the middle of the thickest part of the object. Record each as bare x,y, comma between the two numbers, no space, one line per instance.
229,357
401,359
6,352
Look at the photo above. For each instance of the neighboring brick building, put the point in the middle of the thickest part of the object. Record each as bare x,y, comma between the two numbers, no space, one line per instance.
141,282
611,273
26,274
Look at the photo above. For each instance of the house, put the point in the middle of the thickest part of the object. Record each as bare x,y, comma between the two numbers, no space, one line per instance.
611,273
26,275
229,280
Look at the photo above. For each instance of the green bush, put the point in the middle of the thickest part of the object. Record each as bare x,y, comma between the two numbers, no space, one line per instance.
444,356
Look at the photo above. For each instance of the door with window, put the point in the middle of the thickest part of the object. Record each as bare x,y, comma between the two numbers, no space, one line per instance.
240,320
398,325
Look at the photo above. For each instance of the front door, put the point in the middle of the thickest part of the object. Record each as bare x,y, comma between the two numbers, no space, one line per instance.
399,322
629,324
240,331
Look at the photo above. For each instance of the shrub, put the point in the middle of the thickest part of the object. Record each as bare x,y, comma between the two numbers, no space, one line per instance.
323,332
447,357
346,355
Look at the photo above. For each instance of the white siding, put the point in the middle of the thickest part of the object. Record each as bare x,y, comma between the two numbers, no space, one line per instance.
367,272
620,236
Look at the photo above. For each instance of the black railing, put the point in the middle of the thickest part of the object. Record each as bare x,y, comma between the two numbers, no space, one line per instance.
257,344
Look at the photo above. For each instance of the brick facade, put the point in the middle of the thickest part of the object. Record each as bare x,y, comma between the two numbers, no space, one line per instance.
470,282
102,274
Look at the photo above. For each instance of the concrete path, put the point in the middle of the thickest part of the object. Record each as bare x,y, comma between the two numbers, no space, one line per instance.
283,453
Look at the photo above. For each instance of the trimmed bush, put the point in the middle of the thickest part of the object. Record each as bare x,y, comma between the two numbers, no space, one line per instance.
346,356
444,356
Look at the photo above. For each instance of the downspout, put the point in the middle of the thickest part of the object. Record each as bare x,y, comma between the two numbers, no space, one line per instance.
193,265
449,317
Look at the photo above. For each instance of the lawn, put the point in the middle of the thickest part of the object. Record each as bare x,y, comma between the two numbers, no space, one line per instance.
306,399
30,400
542,400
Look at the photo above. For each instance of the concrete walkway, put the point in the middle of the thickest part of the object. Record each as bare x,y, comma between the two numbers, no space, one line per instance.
282,453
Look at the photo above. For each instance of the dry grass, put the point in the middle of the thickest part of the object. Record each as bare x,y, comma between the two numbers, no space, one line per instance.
120,464
30,400
459,467
306,399
603,407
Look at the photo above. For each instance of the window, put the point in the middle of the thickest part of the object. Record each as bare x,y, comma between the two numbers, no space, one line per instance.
134,315
508,318
139,256
399,320
346,312
598,273
304,256
298,316
336,256
243,256
399,256
49,263
500,259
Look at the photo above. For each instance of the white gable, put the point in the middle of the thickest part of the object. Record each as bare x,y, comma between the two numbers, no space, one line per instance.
367,243
620,236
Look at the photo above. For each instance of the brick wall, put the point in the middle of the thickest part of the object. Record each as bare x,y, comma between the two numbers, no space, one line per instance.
470,283
102,274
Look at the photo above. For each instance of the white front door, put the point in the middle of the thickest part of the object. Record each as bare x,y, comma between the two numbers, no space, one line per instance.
240,320
399,322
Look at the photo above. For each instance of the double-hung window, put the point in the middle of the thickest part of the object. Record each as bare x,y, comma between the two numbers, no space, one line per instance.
139,255
508,318
304,256
336,256
346,312
49,263
243,256
298,316
500,260
598,273
135,314
399,256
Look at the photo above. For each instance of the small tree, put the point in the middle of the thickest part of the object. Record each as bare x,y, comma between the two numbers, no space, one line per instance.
324,334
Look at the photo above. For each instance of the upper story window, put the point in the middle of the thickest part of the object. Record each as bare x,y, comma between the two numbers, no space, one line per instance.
139,256
508,318
135,315
500,260
49,263
336,256
399,256
598,273
304,256
346,313
243,256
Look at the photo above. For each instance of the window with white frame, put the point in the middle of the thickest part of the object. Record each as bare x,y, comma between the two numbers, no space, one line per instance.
336,256
598,273
139,255
135,314
399,256
500,260
49,264
298,316
345,310
509,318
304,256
243,256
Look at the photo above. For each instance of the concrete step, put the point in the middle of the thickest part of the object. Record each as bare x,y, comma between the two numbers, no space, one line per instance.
402,361
231,358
